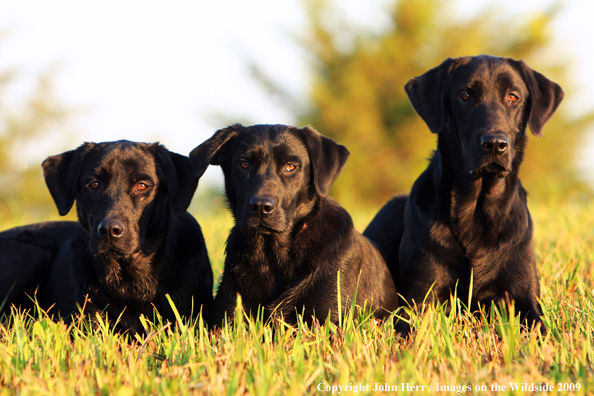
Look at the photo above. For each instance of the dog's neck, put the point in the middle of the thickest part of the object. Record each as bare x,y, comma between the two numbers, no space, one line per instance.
131,277
278,249
275,258
477,203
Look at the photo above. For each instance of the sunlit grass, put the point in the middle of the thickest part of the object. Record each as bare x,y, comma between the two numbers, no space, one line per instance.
41,356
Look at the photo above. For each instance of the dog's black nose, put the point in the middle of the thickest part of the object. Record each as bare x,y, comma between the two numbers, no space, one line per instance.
112,228
262,206
494,144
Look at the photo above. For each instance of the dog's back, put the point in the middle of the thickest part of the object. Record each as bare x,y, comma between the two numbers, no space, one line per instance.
27,255
387,233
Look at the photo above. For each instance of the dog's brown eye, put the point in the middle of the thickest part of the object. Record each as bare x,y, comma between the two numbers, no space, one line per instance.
244,164
465,96
290,167
94,185
512,98
141,186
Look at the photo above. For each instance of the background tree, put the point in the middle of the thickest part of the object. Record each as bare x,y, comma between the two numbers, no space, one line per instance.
27,128
357,92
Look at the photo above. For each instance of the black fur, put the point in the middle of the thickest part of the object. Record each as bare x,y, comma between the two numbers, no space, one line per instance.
133,244
467,213
290,240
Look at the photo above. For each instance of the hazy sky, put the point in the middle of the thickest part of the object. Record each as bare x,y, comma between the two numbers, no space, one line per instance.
147,70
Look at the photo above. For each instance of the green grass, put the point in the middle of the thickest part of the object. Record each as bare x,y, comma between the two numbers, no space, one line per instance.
40,356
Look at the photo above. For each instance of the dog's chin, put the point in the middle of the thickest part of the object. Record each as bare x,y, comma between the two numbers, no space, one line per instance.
490,169
256,226
104,253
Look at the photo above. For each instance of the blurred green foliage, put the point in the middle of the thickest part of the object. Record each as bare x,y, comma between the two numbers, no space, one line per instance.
27,126
355,95
357,91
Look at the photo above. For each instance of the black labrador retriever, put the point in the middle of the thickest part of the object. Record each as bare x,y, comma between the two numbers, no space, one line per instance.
291,241
466,215
133,244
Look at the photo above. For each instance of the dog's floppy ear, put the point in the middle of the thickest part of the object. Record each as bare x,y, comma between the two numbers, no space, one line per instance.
178,178
426,93
545,97
61,174
211,151
327,158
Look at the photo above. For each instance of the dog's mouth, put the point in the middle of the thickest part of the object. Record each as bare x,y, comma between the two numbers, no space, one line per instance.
106,250
258,226
490,169
110,255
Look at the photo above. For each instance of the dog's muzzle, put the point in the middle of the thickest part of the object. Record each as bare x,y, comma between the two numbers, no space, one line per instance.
494,144
492,156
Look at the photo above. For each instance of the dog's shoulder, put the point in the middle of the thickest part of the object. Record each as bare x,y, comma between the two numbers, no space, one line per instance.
187,228
333,221
335,212
336,233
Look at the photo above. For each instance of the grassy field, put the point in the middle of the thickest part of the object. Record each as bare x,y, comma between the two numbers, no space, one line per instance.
453,354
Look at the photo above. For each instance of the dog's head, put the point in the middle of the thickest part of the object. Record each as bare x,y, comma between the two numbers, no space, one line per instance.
273,173
124,192
481,107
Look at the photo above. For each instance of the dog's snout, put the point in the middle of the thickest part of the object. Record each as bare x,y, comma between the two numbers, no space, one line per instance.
494,144
111,228
262,206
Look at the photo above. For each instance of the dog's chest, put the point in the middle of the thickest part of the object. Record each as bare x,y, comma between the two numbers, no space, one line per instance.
483,232
261,276
133,280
